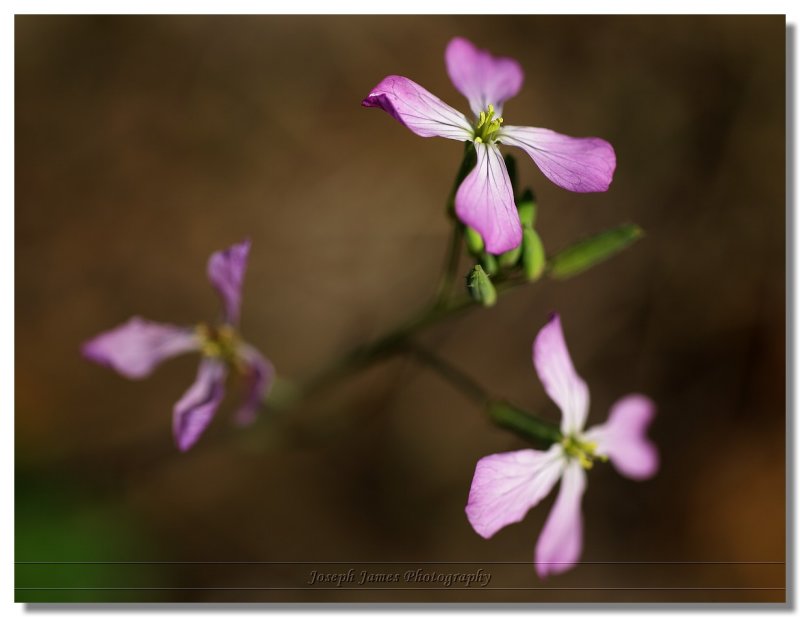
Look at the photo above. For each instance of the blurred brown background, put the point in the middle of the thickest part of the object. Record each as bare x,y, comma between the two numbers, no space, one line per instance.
145,143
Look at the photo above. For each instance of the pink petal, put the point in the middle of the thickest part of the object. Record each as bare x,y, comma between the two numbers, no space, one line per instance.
485,201
622,438
194,411
561,382
482,77
418,110
561,541
226,270
580,164
259,377
136,347
505,486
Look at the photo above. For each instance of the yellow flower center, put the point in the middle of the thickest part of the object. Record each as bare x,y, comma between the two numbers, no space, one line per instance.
218,342
584,451
487,126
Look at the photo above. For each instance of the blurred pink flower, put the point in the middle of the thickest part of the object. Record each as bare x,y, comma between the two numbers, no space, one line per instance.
136,347
485,199
505,486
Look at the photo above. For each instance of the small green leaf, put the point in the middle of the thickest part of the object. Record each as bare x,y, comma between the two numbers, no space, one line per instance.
480,287
533,259
593,250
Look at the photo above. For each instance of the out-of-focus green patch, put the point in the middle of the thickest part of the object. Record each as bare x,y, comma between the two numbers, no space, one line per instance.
61,536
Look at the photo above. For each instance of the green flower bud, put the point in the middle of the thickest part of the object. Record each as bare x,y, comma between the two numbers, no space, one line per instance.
489,263
510,258
593,250
533,258
480,287
526,207
473,240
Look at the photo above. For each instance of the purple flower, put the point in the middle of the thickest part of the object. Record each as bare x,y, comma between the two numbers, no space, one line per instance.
136,347
507,485
485,200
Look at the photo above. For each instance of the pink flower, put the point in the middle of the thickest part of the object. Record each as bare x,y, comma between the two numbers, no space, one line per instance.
507,485
136,347
485,200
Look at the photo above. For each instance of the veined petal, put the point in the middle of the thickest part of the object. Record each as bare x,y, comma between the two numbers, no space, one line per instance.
136,347
485,201
580,164
622,438
505,486
259,377
561,541
481,77
194,411
226,270
418,110
562,384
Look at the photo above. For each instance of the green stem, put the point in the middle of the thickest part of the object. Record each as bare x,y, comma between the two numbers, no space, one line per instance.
463,382
450,269
467,163
390,343
522,423
503,414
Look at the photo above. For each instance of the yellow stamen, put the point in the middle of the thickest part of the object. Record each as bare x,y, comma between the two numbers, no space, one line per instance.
487,126
583,451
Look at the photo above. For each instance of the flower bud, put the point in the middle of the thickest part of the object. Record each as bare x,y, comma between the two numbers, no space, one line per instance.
526,208
473,240
480,287
533,259
510,258
489,263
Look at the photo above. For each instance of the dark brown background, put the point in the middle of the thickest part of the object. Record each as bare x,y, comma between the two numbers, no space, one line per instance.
145,143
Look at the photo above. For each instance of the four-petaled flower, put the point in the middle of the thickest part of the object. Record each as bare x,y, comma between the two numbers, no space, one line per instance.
485,199
136,347
507,485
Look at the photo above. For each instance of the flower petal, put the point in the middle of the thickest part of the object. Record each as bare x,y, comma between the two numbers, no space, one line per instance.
561,540
259,377
136,347
226,270
418,110
482,77
485,201
622,438
560,381
580,164
194,411
505,486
